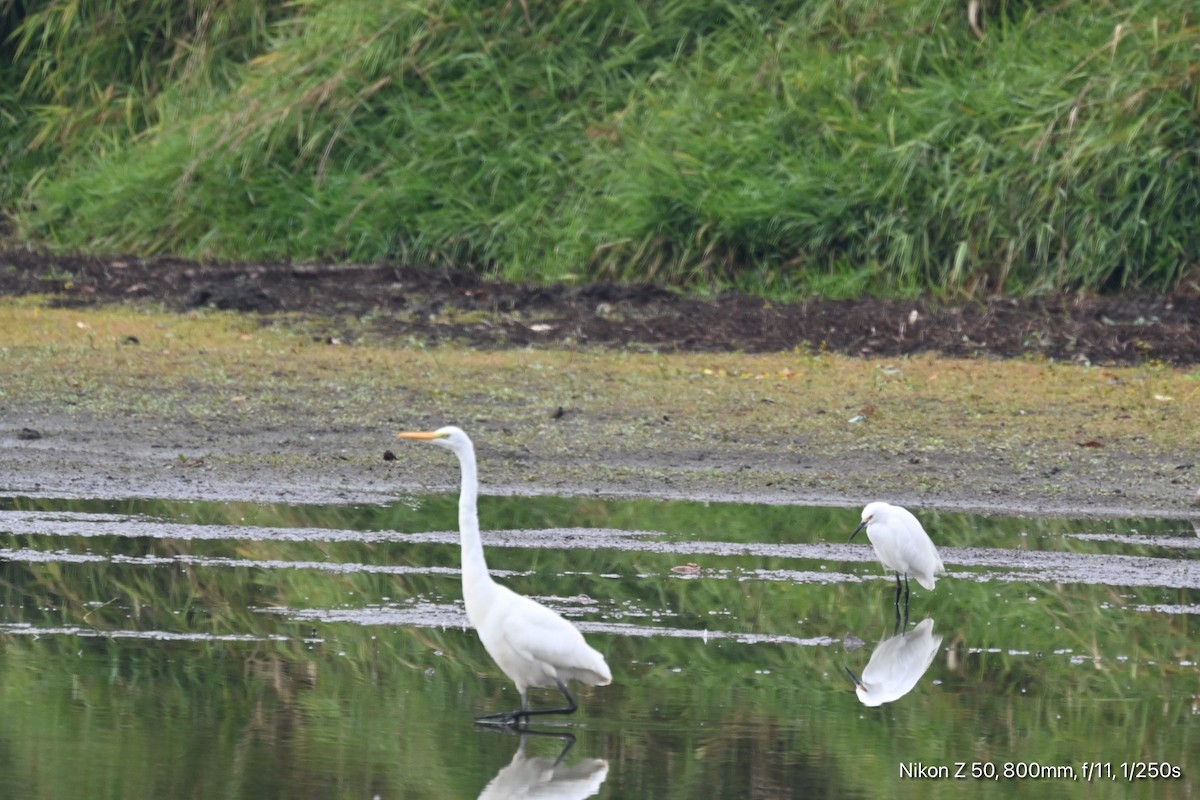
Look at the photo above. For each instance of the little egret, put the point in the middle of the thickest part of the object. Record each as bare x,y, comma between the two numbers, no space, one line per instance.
533,645
901,545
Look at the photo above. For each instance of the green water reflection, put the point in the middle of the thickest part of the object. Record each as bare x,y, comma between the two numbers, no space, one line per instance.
153,662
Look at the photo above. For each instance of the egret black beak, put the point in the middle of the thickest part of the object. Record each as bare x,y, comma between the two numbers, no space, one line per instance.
861,525
858,684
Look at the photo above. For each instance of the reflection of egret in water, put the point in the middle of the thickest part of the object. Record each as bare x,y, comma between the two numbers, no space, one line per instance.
897,664
548,778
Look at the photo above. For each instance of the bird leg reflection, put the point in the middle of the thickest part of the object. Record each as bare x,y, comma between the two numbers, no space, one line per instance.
906,594
568,741
567,737
515,718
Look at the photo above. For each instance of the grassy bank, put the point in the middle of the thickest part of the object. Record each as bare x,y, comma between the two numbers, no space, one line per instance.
822,147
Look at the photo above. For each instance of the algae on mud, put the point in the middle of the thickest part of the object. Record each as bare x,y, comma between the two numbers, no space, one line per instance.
219,406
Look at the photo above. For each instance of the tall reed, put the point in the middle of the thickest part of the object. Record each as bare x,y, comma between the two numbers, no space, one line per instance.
825,147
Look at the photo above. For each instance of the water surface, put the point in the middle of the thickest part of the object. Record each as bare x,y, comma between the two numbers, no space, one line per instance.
157,649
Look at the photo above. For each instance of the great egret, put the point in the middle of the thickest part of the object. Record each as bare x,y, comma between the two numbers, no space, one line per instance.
534,646
896,665
901,545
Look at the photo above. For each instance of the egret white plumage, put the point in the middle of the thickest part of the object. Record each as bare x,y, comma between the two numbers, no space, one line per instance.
896,665
901,545
534,646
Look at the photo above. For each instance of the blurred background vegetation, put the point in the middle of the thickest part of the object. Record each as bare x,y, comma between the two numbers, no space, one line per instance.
830,147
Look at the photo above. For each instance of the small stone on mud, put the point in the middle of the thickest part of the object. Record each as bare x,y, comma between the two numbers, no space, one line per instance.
388,455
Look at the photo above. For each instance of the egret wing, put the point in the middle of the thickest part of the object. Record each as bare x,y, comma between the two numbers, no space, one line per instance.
542,636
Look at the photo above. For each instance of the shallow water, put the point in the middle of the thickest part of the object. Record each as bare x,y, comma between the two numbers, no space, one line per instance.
153,649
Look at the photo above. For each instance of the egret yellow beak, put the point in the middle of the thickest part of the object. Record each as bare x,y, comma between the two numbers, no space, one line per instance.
421,436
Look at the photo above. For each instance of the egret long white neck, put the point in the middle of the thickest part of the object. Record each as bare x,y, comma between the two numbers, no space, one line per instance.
474,567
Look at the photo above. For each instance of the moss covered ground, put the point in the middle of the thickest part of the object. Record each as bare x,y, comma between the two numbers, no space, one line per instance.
126,399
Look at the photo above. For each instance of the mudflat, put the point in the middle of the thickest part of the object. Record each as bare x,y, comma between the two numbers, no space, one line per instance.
284,383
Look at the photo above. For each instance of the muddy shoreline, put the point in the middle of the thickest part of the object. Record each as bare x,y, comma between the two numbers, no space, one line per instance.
101,402
390,302
80,458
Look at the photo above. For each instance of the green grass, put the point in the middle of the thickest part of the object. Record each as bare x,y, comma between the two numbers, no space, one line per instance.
789,148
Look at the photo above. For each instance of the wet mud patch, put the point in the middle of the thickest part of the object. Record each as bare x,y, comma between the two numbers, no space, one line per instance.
392,302
1067,557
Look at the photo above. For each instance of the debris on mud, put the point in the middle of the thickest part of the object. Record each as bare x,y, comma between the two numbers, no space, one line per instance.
386,301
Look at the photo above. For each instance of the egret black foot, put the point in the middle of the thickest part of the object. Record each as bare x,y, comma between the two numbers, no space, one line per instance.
510,719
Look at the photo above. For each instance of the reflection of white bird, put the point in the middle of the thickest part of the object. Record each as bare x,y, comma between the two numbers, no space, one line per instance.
897,664
532,644
903,545
546,778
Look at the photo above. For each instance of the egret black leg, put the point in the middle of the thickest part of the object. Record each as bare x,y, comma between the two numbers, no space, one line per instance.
567,709
515,718
505,717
